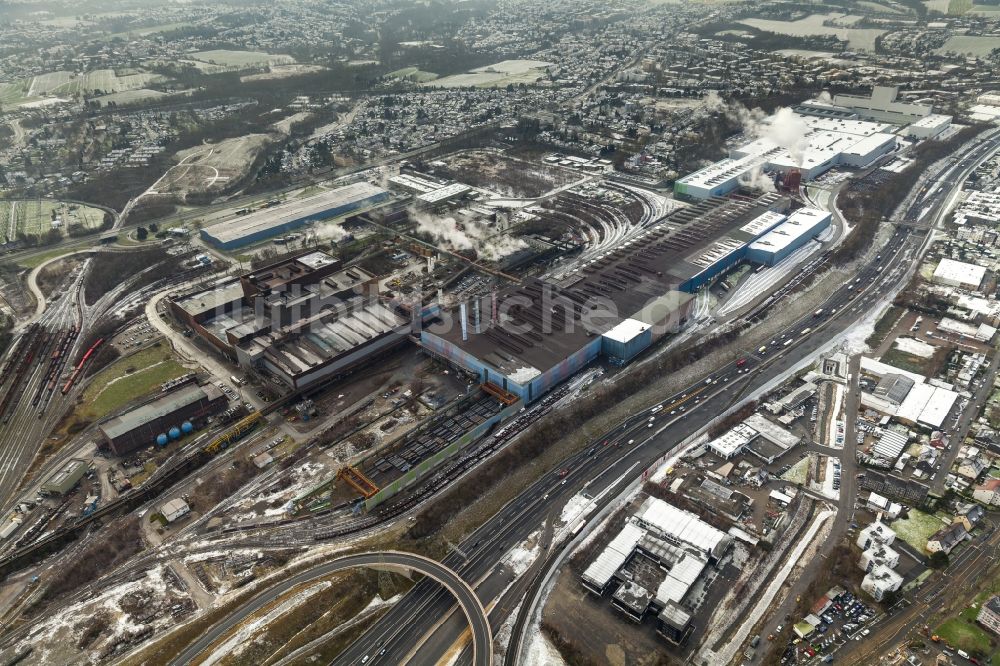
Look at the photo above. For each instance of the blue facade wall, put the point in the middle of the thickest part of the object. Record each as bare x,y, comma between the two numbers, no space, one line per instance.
528,391
721,266
626,351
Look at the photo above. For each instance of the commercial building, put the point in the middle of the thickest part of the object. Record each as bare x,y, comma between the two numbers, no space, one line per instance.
282,218
801,226
141,426
175,509
989,614
301,319
885,506
929,127
733,441
66,477
959,274
529,338
909,398
826,142
676,547
982,332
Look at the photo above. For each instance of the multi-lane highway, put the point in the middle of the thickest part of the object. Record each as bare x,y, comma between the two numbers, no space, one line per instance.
437,576
413,628
613,461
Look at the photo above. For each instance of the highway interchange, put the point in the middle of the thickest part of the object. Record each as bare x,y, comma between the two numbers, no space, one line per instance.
612,466
413,629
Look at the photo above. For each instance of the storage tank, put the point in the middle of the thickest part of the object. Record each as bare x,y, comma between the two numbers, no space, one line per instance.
161,439
174,432
187,428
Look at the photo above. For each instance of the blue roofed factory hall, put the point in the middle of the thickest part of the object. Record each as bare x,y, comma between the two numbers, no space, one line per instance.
616,305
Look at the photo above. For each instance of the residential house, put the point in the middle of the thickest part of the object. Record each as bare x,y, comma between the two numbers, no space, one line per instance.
988,492
946,538
989,614
971,467
969,516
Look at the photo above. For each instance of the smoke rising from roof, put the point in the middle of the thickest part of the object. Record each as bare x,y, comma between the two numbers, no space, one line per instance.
785,128
470,235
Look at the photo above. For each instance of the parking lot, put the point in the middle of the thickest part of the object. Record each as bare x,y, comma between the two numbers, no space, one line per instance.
824,630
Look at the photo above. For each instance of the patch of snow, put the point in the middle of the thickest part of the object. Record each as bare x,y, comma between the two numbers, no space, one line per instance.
237,642
378,602
914,346
573,509
541,651
520,557
661,472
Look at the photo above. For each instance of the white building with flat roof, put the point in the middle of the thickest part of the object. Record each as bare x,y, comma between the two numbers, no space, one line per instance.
959,274
731,443
929,127
882,105
826,143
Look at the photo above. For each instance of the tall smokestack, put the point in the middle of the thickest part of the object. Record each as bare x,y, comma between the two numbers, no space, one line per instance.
464,315
415,321
493,306
475,317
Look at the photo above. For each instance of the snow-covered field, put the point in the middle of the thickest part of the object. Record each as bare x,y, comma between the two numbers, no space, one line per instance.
127,609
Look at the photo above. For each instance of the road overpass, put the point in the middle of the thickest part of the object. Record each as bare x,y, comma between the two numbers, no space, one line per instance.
482,636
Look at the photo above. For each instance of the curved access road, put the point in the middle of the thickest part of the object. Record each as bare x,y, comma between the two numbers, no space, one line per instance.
482,636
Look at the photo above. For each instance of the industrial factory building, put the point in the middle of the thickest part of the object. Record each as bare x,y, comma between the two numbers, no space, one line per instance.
828,142
883,105
66,477
301,319
653,564
798,229
282,218
530,338
161,418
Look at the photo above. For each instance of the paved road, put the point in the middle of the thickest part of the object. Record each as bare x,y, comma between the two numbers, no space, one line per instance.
404,627
965,421
482,636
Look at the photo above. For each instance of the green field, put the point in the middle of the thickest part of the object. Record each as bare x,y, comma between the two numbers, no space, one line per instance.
917,528
237,59
12,94
958,7
129,378
99,80
413,74
34,217
963,633
976,45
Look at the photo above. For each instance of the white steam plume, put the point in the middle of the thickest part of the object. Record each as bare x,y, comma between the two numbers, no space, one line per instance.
785,128
790,131
470,235
758,180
